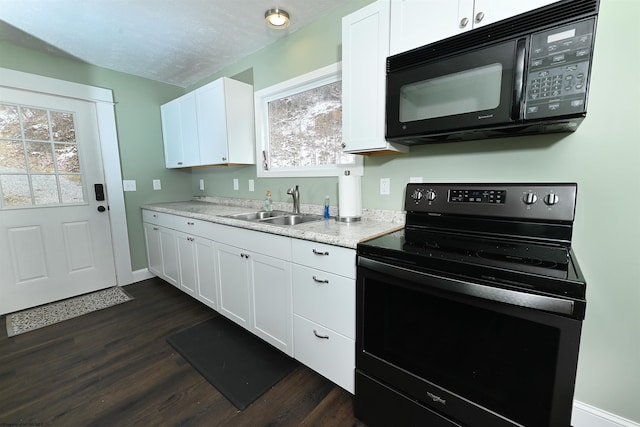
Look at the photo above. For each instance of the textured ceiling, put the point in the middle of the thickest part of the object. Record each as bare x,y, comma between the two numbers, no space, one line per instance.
172,41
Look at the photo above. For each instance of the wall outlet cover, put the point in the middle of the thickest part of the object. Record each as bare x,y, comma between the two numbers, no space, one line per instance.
251,185
385,186
236,184
202,185
157,185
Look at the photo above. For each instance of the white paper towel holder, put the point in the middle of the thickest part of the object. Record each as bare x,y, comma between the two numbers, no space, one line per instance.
347,218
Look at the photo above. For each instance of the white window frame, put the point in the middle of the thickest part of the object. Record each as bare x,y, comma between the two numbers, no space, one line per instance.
319,77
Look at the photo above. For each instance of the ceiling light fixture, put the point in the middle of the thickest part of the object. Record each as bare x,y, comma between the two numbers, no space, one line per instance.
277,18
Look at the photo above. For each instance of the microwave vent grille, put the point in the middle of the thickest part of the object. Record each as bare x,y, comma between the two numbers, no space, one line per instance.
537,19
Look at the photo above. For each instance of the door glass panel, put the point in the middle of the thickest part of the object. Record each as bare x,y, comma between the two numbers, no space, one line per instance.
35,123
71,188
15,190
67,158
42,189
467,91
12,157
39,158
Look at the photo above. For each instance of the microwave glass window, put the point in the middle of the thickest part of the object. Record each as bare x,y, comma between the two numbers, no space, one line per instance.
476,89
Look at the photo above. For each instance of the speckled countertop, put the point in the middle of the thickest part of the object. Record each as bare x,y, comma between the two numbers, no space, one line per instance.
374,223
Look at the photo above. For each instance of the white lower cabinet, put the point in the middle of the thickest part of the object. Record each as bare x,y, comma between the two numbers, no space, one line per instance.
324,310
297,295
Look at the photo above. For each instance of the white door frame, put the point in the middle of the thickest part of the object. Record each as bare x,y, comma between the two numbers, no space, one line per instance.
103,99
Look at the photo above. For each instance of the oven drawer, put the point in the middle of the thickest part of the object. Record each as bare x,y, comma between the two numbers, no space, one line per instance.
335,259
325,298
158,218
325,351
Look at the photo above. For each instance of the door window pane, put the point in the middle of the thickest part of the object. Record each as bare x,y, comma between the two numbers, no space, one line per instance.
15,190
39,158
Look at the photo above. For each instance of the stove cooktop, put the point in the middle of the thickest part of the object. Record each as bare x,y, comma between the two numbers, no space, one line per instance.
528,265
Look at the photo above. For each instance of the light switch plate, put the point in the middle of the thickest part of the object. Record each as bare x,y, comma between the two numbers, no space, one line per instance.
236,184
202,185
129,184
157,185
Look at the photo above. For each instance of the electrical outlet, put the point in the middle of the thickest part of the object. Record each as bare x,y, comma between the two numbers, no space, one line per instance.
251,185
236,184
202,185
385,186
129,184
416,179
157,185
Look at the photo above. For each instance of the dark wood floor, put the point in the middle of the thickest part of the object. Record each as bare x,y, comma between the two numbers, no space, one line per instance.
114,367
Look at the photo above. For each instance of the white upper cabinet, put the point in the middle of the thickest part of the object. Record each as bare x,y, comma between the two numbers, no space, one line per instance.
415,23
212,125
365,47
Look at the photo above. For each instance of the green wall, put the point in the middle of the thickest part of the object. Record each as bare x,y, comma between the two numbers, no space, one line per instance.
137,112
602,156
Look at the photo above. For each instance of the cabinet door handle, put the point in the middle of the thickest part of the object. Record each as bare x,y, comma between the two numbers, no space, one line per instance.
179,163
320,252
156,228
243,255
479,16
191,239
464,22
315,279
324,337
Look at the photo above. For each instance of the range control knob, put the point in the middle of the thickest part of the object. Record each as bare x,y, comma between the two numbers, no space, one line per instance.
551,199
530,198
431,195
417,195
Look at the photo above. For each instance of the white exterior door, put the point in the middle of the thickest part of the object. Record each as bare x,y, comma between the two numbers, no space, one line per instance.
55,238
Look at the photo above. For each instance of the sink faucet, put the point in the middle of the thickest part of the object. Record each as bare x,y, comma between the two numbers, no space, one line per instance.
295,193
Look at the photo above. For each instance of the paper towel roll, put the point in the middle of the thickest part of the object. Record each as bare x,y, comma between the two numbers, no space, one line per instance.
349,197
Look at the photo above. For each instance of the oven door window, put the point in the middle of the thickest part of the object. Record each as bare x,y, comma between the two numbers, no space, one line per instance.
493,357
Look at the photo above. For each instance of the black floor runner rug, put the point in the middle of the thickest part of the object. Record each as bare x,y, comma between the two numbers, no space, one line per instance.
240,365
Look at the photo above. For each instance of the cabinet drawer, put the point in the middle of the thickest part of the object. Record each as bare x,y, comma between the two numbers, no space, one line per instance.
325,298
192,226
332,356
329,258
255,241
158,218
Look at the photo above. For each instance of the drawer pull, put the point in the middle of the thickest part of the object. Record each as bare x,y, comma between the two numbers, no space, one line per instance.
315,279
243,255
155,229
324,337
320,253
191,223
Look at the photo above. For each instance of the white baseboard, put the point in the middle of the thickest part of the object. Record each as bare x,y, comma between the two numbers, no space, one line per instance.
140,275
589,416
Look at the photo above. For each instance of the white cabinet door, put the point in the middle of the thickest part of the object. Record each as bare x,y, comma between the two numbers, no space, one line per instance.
271,301
489,11
205,261
154,248
233,276
187,263
365,47
415,23
169,255
212,123
180,132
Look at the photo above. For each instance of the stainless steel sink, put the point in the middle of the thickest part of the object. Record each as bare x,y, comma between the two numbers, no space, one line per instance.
292,219
276,217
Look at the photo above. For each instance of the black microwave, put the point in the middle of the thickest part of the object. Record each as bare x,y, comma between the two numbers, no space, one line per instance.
523,75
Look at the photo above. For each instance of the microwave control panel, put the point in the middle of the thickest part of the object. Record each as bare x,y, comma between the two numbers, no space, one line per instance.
558,70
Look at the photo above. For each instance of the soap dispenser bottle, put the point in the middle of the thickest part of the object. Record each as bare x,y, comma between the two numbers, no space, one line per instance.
267,202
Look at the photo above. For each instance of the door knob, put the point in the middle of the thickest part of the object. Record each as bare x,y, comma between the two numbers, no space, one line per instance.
101,208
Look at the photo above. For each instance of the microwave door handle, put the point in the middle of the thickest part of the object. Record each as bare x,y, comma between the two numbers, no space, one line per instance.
518,84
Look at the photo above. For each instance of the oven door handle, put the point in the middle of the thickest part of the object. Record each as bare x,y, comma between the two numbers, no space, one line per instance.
507,296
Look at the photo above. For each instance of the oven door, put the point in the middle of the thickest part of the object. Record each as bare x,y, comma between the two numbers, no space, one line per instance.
474,354
476,89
